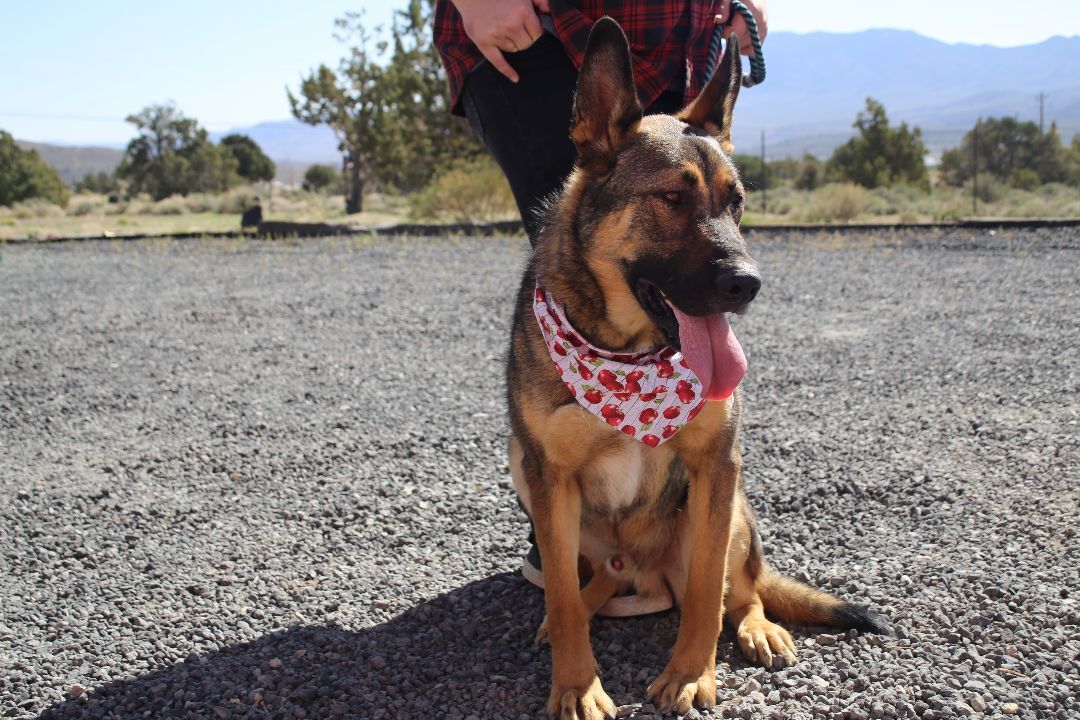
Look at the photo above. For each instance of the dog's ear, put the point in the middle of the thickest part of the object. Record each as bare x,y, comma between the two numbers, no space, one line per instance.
606,106
711,110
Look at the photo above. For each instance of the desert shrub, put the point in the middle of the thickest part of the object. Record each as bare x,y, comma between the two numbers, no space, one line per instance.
881,203
199,202
781,200
954,208
837,202
172,205
36,208
473,190
85,204
1025,204
990,188
1064,198
236,201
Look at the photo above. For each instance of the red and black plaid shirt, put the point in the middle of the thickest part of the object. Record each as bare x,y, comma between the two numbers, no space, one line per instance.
669,41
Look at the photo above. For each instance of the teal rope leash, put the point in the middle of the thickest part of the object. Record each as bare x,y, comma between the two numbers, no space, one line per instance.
757,62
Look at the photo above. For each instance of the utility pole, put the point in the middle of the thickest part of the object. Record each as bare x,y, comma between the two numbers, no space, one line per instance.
764,178
975,169
1042,98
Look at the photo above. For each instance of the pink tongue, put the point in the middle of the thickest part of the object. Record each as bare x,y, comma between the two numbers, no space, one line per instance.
713,352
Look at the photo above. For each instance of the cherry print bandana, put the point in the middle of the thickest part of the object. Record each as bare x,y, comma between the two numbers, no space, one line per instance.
649,396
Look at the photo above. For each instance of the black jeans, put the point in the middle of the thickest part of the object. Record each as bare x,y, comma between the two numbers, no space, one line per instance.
526,125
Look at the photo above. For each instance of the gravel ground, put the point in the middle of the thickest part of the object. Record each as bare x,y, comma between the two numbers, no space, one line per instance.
254,479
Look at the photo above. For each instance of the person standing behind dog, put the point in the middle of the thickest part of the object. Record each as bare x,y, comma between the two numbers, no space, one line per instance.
512,66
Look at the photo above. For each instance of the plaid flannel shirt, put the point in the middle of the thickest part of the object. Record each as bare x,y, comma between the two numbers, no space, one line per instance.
669,41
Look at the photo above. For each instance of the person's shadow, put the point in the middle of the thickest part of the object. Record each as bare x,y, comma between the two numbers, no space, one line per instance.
465,654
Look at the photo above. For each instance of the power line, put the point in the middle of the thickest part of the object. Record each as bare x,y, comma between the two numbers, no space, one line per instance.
95,118
45,116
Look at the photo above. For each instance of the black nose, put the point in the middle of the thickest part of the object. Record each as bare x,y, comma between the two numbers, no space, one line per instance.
738,286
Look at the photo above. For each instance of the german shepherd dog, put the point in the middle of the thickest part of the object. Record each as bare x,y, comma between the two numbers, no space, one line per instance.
642,249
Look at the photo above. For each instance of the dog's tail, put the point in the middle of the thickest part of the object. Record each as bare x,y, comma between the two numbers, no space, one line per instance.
795,602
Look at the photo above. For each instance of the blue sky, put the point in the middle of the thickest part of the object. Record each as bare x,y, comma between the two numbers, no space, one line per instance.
72,71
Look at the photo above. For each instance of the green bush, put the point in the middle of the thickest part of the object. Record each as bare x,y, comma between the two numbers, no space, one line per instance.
1024,179
252,164
25,176
172,155
102,182
323,178
475,190
990,188
811,173
880,154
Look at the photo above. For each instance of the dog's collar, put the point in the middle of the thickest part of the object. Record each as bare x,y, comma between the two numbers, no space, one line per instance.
649,396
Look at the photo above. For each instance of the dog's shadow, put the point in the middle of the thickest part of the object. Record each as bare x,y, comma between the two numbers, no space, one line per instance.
469,652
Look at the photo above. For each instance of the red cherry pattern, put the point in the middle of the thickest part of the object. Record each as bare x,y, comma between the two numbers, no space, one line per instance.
685,392
610,386
612,414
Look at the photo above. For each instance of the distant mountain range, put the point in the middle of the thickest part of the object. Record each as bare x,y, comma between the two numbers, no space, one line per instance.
74,162
816,84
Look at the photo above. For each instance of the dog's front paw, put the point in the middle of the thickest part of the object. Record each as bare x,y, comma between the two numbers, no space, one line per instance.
577,703
761,640
679,690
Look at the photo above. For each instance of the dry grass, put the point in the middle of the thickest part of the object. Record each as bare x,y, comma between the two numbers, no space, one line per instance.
93,215
478,192
845,203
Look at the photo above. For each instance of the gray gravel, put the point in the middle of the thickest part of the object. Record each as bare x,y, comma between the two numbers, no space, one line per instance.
254,479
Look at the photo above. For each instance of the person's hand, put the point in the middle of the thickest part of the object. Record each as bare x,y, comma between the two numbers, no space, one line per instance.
498,26
759,9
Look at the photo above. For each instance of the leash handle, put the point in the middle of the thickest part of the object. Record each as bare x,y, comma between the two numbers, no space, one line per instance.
757,61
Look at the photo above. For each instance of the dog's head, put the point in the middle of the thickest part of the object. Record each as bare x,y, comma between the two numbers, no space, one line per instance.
660,204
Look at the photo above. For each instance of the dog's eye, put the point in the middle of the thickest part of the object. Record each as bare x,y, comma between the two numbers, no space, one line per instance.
673,198
737,206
